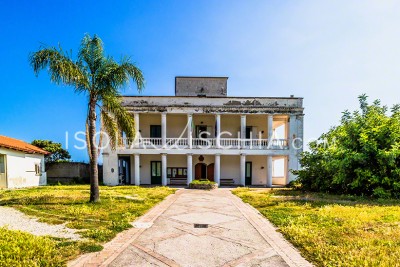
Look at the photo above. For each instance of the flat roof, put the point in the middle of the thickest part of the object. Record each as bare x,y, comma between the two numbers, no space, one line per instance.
222,97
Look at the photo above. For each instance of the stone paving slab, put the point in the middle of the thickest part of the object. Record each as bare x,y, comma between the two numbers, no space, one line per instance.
236,235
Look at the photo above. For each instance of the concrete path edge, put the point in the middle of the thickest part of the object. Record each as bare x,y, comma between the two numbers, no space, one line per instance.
266,229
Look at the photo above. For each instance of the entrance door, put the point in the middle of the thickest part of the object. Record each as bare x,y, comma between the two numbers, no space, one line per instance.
155,172
3,175
200,171
210,172
249,172
124,172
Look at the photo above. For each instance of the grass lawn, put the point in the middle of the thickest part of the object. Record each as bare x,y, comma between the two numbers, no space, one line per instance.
98,222
333,230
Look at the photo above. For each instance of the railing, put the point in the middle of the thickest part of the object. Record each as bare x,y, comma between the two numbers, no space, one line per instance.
177,142
203,143
229,143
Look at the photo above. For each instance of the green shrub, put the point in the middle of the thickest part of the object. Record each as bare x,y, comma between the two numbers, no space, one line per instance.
202,181
22,249
361,156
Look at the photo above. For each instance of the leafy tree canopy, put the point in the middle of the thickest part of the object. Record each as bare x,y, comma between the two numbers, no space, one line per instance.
58,154
360,156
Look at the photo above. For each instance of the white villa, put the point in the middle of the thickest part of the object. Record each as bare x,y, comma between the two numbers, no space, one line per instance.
203,133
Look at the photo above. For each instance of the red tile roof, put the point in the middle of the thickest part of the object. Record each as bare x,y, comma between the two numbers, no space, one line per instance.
19,145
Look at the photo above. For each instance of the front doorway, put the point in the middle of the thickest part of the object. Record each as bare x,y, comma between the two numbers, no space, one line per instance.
124,175
210,172
248,172
200,171
155,172
3,175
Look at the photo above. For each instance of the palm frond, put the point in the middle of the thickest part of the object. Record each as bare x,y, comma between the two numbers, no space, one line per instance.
122,117
113,76
61,67
110,127
91,53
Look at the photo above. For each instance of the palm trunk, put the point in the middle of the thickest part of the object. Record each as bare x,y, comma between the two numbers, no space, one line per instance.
94,173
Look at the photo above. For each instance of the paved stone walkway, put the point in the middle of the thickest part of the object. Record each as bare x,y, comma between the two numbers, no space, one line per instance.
236,235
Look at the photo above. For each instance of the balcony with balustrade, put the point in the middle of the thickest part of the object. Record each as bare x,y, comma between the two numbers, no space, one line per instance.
209,131
204,143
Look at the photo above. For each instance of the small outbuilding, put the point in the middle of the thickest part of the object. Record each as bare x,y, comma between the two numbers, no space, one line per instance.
21,164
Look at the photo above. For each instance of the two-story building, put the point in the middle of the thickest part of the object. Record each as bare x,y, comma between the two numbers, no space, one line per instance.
202,133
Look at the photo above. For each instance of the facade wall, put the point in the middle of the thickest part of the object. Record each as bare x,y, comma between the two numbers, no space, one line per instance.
145,161
230,168
204,120
259,169
176,125
20,169
146,120
208,159
231,124
259,124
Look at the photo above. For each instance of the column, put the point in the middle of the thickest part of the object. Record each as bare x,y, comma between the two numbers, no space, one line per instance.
164,129
294,152
189,129
270,126
242,129
137,133
110,168
286,170
269,171
217,169
189,168
243,169
218,130
137,169
164,169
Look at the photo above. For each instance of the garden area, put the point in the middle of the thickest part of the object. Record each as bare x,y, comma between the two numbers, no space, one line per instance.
344,209
332,230
97,223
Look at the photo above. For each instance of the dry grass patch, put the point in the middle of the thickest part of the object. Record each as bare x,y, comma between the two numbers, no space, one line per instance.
333,230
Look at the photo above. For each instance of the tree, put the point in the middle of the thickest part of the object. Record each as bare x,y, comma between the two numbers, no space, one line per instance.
100,78
58,154
360,156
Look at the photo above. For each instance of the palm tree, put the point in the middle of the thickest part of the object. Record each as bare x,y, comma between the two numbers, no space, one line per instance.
100,78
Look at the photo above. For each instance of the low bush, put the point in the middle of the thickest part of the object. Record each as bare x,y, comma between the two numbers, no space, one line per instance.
202,184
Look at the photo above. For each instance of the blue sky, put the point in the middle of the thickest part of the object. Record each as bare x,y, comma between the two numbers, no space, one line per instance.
328,52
